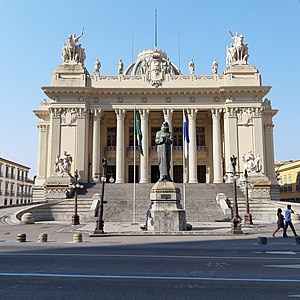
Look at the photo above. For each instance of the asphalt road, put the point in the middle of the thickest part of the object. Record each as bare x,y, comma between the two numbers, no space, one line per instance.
226,269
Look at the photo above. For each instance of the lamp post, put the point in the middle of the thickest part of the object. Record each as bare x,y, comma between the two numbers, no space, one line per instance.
236,220
76,186
100,223
248,216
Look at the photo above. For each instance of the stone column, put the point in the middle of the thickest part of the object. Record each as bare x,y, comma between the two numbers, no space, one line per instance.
258,136
54,138
42,157
230,136
96,141
120,114
144,159
192,116
217,157
81,162
269,142
168,117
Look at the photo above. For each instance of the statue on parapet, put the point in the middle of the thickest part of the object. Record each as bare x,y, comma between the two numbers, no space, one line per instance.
164,141
97,67
191,67
120,67
214,67
72,52
238,51
63,163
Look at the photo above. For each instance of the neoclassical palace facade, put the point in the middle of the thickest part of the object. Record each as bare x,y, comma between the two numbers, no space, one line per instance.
91,116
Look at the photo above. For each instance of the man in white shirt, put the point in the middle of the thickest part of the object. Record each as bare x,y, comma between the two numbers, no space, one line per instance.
288,221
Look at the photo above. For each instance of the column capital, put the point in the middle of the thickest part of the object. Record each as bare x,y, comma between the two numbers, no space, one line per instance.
144,113
231,112
192,113
216,112
42,127
96,112
120,112
168,112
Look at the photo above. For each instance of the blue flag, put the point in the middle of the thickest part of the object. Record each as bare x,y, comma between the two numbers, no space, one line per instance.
186,138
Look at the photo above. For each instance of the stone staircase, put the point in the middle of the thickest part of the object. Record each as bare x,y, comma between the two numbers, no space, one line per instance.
201,205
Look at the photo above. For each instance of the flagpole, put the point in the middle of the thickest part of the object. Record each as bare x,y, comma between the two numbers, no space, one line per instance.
134,163
183,160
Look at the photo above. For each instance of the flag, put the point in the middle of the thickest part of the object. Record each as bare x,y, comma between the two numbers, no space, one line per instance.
186,138
138,132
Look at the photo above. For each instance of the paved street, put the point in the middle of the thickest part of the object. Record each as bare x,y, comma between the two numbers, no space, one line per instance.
207,263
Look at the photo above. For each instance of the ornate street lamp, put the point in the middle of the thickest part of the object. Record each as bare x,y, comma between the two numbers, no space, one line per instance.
248,216
76,186
236,220
100,223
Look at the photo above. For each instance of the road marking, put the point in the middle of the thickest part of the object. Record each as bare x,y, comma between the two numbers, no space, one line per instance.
283,266
282,252
150,276
149,256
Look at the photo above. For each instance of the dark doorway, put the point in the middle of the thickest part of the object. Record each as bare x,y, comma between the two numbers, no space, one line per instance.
131,174
111,172
178,174
201,173
154,173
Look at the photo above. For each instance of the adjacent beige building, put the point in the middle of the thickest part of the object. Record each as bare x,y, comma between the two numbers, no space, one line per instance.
91,116
15,186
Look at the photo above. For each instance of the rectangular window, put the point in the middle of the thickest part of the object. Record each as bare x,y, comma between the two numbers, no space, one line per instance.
111,136
131,137
154,130
200,136
298,181
177,136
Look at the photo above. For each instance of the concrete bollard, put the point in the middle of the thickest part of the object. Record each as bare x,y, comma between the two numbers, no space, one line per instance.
43,237
297,240
77,237
262,240
21,237
27,218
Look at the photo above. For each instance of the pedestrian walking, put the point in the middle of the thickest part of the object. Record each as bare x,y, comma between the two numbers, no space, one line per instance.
288,221
280,221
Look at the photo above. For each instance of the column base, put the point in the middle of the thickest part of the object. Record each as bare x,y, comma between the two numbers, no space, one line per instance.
75,220
193,181
120,181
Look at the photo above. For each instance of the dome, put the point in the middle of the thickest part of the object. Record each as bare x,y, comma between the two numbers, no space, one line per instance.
141,65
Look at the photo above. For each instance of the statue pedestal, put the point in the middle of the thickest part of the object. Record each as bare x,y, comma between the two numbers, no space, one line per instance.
166,213
57,186
260,187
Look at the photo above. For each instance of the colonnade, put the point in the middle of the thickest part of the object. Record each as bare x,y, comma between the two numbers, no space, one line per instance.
144,159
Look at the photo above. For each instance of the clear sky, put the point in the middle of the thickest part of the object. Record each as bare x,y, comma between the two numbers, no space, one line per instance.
33,33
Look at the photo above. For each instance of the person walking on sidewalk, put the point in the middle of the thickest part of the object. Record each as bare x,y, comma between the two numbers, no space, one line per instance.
280,221
288,221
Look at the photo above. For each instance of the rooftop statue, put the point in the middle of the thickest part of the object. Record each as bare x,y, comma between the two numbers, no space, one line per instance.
191,67
238,51
73,53
120,67
164,141
214,67
97,67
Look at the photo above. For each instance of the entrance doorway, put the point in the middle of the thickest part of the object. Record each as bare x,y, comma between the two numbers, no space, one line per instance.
201,173
131,174
178,174
154,173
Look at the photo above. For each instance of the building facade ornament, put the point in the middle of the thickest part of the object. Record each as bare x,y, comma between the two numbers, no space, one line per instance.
68,116
252,163
63,163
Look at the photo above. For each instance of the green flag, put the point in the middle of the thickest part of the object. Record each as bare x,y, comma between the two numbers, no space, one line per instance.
138,131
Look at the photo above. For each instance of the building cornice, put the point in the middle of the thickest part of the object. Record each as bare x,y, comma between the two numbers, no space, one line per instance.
51,92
